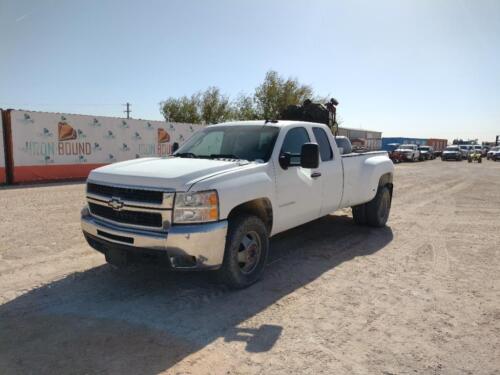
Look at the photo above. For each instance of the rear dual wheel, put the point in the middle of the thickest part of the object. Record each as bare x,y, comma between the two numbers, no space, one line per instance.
376,212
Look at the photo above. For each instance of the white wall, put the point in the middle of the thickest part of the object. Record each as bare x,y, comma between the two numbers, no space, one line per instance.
54,146
2,154
52,138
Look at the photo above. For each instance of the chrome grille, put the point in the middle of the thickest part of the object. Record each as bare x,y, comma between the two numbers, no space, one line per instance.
146,219
131,206
138,195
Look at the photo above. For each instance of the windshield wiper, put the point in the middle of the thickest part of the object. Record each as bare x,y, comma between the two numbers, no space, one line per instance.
223,156
186,155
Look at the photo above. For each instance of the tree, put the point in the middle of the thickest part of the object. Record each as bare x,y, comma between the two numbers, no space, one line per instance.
184,109
244,108
275,94
209,107
215,107
271,97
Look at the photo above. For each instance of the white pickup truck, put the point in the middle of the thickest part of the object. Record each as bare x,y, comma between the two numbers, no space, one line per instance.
217,200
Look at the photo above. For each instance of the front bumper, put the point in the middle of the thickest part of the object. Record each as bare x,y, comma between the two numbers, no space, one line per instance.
196,246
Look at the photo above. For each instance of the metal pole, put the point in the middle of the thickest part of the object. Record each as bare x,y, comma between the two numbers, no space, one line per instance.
127,111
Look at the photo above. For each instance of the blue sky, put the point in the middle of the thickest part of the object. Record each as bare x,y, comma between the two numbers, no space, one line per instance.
424,68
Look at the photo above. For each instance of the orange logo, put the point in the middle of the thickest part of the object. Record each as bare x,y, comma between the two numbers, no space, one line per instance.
65,131
163,136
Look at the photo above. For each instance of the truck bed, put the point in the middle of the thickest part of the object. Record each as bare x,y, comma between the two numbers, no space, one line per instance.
357,167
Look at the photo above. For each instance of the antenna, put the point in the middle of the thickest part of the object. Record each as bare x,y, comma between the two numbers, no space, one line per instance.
127,111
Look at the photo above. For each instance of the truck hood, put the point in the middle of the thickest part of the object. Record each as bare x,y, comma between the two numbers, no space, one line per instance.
166,173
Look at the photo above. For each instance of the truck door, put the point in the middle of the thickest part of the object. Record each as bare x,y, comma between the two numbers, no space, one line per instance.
331,173
298,192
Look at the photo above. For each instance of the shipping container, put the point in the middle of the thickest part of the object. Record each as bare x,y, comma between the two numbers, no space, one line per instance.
372,140
401,140
438,144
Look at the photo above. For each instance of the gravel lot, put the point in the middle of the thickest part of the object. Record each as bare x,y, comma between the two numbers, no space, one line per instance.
420,296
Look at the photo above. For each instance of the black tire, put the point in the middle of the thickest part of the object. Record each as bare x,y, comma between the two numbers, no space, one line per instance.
377,210
234,271
359,214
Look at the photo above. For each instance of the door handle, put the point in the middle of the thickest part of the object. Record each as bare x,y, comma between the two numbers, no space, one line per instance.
316,174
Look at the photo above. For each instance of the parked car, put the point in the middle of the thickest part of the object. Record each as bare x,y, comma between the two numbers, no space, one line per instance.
452,153
492,150
409,152
396,157
426,153
215,202
477,149
465,149
495,156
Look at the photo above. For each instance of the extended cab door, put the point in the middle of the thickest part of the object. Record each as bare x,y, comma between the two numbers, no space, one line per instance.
298,192
330,168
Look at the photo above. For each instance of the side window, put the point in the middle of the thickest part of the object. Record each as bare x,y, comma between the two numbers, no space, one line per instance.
292,144
294,140
325,149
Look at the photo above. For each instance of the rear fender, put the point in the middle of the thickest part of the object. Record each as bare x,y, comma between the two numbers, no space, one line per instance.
377,171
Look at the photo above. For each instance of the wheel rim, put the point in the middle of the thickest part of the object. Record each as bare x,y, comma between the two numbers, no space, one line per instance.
249,252
383,209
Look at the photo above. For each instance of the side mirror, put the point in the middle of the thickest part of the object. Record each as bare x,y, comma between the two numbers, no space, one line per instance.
309,156
175,147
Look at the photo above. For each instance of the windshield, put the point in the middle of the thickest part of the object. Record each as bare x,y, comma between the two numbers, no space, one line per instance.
424,148
249,142
451,149
406,147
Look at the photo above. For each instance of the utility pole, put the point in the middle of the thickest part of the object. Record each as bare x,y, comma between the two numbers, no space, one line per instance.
127,111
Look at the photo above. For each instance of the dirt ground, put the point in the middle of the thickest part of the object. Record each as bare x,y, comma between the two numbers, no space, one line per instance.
419,296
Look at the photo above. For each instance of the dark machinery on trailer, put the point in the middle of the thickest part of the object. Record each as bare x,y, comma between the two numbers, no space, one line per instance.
314,112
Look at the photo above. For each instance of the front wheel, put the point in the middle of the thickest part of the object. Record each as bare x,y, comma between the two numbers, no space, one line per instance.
359,214
247,247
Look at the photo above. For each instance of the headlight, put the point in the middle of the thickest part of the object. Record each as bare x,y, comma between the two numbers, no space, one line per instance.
196,207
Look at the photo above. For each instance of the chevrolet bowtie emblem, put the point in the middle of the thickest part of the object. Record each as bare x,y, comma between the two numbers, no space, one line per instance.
116,204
